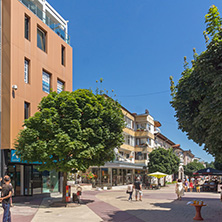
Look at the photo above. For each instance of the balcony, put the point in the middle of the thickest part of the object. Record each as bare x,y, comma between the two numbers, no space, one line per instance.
51,22
143,133
145,162
142,145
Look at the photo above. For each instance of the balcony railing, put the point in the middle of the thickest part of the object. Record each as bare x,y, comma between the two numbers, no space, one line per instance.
58,28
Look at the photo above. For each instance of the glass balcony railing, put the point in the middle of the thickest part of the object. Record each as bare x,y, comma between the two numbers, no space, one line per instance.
58,28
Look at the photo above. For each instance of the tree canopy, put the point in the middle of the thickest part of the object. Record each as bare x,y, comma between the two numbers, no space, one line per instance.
192,167
164,161
210,165
72,130
197,98
218,164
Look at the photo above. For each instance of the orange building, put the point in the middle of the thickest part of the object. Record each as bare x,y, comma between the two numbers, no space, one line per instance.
35,58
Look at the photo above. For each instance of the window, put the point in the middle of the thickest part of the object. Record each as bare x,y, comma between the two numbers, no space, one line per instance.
129,122
63,55
148,127
26,110
41,39
27,27
46,80
130,140
26,70
60,86
138,156
149,141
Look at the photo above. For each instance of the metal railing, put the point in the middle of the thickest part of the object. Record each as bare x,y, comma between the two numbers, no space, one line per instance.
58,28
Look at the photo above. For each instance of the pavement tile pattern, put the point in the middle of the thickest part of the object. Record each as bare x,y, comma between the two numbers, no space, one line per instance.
96,206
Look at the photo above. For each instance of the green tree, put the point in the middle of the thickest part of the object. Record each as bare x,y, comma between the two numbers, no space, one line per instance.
197,98
218,164
72,131
164,161
192,167
211,164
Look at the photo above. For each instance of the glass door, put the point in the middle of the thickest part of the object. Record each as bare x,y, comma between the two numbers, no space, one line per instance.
28,191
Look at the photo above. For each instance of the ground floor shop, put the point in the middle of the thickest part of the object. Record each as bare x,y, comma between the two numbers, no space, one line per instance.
118,173
27,179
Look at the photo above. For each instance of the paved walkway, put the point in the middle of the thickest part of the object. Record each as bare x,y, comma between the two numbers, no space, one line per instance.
156,206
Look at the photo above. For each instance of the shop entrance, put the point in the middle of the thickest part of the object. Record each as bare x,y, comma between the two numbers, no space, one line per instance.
15,174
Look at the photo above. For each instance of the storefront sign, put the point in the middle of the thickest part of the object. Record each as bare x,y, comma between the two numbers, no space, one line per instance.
16,159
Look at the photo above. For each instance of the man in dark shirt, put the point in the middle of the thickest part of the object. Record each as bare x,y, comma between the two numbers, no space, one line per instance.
6,194
138,189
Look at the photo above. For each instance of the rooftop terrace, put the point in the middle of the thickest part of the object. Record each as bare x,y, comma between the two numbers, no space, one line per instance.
44,11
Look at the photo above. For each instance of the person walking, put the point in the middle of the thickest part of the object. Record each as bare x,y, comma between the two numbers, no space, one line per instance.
6,194
130,191
197,185
186,183
138,189
191,186
179,189
79,193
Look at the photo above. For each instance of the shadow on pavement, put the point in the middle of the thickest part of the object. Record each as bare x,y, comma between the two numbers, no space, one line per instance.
170,212
31,201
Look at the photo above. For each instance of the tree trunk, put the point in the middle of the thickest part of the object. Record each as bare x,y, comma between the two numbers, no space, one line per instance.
64,187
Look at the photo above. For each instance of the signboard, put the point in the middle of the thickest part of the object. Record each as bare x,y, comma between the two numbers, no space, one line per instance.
16,159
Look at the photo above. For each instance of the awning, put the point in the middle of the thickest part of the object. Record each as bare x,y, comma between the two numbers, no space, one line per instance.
208,171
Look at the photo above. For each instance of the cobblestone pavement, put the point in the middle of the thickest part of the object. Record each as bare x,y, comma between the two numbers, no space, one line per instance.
156,206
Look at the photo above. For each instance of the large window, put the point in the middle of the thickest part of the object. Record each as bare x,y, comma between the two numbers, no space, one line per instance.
129,122
130,140
46,81
41,39
27,27
60,86
63,55
26,110
26,70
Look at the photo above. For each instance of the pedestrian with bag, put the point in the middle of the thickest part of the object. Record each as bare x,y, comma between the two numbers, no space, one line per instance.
138,189
6,195
130,191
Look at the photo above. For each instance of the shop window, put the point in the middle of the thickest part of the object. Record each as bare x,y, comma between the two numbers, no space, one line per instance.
37,180
50,180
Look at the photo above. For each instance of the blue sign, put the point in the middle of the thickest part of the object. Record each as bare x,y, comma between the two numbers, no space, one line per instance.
16,159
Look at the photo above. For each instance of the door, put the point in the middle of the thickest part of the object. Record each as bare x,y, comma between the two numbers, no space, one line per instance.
14,171
28,180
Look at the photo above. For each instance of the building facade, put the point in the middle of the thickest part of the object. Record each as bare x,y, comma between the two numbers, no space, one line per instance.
35,58
133,155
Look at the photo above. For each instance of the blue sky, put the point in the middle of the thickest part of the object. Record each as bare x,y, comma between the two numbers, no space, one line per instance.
135,45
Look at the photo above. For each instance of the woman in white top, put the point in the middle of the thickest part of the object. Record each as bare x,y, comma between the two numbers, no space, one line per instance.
179,189
130,191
